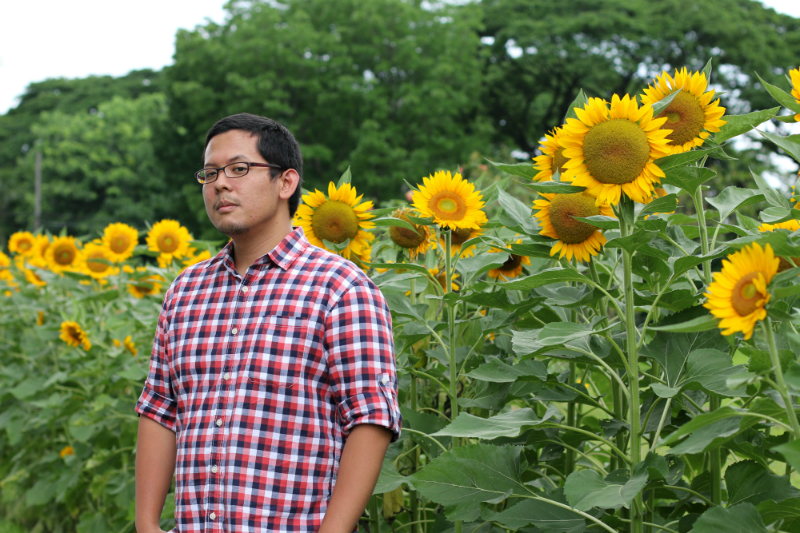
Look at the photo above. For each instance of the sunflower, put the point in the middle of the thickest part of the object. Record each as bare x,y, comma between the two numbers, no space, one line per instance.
73,334
738,293
169,238
611,151
442,279
511,268
416,243
121,240
39,318
791,226
452,201
552,158
691,115
795,75
195,258
337,218
62,254
5,268
38,259
459,237
66,450
130,346
575,238
22,242
96,261
144,285
33,278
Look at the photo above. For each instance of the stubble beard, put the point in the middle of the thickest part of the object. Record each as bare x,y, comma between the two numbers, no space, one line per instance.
231,228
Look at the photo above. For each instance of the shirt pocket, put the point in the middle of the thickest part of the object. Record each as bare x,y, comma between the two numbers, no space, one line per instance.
275,358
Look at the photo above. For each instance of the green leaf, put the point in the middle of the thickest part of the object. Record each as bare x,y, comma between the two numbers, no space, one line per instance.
703,323
748,481
790,144
510,424
392,221
666,204
739,519
133,373
547,277
739,124
671,350
496,371
718,420
687,178
710,369
707,70
788,511
472,267
27,388
546,517
517,210
771,195
662,104
662,391
523,170
41,493
552,335
580,102
790,452
684,264
585,489
682,159
782,97
732,199
346,176
428,424
600,221
635,241
389,479
554,187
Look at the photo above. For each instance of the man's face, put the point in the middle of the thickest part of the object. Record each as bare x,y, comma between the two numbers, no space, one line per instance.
245,205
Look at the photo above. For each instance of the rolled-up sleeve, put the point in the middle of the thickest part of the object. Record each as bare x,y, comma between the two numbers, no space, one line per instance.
157,401
358,337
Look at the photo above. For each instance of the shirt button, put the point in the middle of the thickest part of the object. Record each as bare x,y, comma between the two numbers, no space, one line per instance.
245,289
212,516
226,376
235,331
219,421
214,469
385,380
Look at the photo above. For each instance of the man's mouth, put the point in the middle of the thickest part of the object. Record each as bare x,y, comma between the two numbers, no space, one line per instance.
225,206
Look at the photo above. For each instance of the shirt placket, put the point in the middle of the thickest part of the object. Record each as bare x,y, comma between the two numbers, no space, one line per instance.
231,352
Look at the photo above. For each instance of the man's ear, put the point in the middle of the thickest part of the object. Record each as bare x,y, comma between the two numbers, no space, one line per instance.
289,182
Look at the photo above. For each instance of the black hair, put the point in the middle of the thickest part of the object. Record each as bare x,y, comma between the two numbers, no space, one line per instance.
275,143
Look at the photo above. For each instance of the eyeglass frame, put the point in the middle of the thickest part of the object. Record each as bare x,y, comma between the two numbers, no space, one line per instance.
203,181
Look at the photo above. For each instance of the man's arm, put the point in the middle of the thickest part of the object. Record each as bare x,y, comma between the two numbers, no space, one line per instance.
155,465
359,469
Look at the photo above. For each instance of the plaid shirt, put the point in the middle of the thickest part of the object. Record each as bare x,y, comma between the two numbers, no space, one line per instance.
262,377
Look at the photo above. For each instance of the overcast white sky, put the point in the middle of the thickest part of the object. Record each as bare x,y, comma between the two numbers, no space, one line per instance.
43,39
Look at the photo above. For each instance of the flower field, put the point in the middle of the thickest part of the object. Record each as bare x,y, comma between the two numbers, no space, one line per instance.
595,341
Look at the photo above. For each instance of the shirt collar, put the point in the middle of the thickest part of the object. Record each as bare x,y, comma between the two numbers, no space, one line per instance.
283,255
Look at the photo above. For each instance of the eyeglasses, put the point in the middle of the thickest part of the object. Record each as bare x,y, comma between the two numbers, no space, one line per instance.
232,170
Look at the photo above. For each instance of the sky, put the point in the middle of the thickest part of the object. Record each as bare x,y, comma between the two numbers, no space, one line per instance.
53,38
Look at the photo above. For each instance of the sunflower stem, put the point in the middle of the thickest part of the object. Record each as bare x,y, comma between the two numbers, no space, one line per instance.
451,320
626,215
716,463
701,224
776,367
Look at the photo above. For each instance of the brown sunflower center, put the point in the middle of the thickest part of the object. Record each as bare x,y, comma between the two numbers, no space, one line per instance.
565,206
144,286
685,117
616,151
97,266
404,237
25,245
120,243
460,236
511,263
557,165
447,205
74,334
65,254
335,221
745,295
168,242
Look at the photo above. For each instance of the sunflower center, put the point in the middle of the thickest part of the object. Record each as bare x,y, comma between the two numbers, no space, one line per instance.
120,243
168,242
447,205
511,263
565,206
557,165
335,221
25,245
685,117
745,295
460,236
404,237
616,151
97,266
64,255
74,334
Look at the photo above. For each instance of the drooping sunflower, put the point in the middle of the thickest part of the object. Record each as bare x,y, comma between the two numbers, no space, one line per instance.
795,75
442,279
96,261
23,243
552,158
337,217
512,268
144,284
416,243
74,335
62,254
130,346
451,200
33,278
691,115
791,226
121,240
612,151
458,238
738,294
575,237
169,238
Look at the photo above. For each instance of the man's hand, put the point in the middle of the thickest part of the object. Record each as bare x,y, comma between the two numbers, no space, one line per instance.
155,465
359,469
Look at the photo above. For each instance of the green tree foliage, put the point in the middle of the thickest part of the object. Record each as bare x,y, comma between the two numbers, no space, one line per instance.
387,87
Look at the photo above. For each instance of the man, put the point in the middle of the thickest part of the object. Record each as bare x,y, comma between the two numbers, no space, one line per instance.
272,389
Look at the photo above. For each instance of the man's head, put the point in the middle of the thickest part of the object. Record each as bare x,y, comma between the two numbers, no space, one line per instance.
237,205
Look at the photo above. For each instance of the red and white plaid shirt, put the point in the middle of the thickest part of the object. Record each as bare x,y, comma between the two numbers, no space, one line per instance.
262,377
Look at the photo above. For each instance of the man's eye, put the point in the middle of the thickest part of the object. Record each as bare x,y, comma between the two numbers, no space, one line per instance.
210,173
240,168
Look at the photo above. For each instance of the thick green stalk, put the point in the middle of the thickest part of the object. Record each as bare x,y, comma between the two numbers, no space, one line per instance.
571,421
451,320
716,463
701,224
626,214
374,516
413,494
776,367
